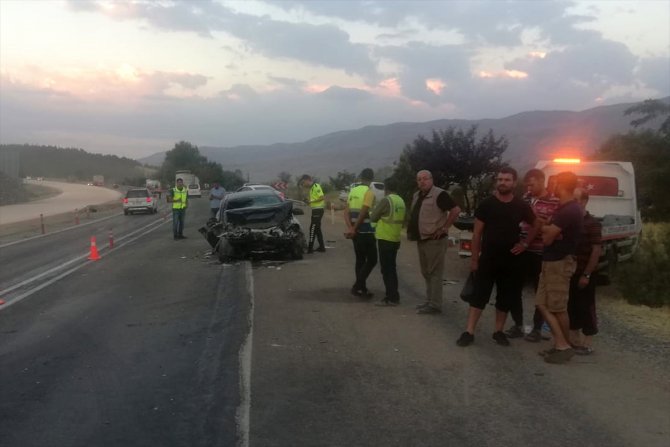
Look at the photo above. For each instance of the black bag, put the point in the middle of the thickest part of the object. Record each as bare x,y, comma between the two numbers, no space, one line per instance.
468,291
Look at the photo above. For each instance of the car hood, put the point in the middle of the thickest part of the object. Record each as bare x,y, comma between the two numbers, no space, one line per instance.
259,217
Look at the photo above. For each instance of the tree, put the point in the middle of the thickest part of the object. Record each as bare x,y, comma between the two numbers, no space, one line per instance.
649,151
454,157
342,180
650,110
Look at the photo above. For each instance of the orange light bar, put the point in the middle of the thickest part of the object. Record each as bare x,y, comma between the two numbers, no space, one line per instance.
567,160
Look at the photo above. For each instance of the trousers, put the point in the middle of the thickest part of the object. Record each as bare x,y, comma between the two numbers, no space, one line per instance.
315,228
366,258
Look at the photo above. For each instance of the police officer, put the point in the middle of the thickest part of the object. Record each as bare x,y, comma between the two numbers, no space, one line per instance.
178,196
389,215
316,201
359,229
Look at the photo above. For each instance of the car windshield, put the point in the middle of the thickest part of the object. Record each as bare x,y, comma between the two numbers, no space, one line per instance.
253,201
134,193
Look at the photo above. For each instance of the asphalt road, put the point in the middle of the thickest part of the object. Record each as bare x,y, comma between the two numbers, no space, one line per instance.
159,344
73,196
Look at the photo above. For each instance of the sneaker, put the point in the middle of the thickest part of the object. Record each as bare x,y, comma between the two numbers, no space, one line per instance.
428,310
514,332
419,306
500,338
533,336
321,249
310,251
583,350
559,356
465,339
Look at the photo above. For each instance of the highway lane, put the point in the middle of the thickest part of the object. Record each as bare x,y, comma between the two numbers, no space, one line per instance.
47,256
139,348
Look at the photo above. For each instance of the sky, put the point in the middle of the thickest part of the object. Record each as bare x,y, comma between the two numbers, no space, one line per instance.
132,78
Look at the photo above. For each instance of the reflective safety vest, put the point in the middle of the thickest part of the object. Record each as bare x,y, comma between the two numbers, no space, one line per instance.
389,227
179,198
315,192
355,202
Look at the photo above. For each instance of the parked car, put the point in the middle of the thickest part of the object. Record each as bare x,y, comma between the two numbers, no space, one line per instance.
377,188
259,187
139,199
255,222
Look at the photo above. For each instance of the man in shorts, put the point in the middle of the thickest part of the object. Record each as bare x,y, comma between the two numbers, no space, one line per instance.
558,265
497,233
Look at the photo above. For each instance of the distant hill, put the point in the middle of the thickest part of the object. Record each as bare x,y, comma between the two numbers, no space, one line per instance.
74,164
532,136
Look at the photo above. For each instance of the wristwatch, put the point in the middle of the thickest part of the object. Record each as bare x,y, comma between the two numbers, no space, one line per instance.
587,275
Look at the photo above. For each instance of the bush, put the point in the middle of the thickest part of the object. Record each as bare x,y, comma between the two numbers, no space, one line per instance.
646,280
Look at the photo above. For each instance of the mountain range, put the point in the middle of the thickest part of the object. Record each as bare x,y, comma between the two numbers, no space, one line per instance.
532,136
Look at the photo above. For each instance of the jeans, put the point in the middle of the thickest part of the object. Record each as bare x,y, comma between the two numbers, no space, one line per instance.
366,258
178,222
387,260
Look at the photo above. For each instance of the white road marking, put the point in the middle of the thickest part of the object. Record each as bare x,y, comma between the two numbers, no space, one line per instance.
244,411
41,286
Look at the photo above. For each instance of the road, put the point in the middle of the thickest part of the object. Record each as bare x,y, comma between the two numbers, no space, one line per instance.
159,344
73,196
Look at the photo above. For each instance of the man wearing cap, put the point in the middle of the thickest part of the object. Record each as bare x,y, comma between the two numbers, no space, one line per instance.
316,201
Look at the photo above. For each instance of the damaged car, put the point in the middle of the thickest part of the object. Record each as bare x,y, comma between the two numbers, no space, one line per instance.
252,223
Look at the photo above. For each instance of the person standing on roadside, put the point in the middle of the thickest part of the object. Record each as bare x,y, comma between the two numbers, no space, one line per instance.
582,299
359,229
178,197
496,250
389,215
316,201
216,194
558,265
543,204
432,213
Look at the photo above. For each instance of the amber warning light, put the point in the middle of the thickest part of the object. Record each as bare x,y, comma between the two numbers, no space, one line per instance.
567,160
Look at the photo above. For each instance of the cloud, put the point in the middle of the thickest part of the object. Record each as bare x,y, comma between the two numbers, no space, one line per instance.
348,95
324,45
655,73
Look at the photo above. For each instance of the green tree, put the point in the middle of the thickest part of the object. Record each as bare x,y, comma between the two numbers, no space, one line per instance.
342,180
454,157
650,110
649,151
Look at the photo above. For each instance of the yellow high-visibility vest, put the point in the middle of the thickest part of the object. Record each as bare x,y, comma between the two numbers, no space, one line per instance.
315,192
179,198
355,202
388,228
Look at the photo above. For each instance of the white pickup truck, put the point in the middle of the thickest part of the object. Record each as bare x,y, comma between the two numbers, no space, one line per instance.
613,201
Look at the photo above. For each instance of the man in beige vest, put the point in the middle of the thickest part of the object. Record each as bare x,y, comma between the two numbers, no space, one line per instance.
432,213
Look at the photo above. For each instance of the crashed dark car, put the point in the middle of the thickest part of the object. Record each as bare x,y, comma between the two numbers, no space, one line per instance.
255,223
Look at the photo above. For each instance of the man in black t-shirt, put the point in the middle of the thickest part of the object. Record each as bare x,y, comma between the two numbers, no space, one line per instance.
496,246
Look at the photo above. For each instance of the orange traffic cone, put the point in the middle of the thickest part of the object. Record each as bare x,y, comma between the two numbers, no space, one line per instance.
94,256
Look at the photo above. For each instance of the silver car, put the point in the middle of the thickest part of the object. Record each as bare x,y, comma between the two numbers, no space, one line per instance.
141,200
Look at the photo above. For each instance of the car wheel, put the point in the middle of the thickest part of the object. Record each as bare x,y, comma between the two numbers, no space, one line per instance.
125,212
297,248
